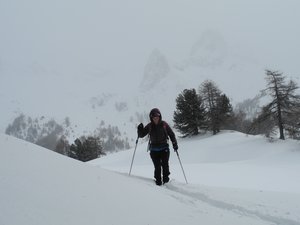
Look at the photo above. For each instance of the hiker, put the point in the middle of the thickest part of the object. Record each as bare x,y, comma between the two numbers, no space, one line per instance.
159,132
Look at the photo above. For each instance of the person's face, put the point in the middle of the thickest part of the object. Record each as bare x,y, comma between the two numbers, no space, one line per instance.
155,119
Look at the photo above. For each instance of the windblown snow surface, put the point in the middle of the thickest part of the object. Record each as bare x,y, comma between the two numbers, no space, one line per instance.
232,178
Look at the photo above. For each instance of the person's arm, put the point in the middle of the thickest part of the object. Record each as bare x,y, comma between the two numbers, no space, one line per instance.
172,137
143,131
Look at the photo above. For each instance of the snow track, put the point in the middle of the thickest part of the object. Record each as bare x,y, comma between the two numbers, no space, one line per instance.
195,194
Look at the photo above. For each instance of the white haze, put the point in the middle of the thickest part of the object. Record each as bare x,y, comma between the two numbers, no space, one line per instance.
55,56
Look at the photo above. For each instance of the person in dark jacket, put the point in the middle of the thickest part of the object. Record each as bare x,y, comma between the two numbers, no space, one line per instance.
159,133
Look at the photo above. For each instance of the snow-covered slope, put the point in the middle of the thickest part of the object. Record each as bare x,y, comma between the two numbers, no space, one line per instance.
42,187
232,171
230,159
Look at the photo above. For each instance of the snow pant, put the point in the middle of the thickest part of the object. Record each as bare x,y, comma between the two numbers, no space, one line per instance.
160,161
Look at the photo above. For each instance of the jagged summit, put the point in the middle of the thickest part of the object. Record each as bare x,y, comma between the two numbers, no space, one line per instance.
155,70
209,51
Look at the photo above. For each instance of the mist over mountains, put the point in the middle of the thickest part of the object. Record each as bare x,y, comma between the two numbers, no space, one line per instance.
113,61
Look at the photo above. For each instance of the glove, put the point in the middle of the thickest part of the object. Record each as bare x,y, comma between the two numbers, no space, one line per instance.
175,146
140,128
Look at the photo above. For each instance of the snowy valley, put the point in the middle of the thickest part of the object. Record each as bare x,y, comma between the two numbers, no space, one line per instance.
78,68
232,179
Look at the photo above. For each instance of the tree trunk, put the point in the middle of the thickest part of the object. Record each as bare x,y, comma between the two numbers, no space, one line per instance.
280,123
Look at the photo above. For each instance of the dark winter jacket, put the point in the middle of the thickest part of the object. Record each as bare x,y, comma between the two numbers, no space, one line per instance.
159,134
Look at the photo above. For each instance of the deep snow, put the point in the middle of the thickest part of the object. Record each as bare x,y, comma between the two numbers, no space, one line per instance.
233,179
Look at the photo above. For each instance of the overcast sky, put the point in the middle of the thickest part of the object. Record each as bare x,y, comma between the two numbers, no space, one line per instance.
56,32
60,40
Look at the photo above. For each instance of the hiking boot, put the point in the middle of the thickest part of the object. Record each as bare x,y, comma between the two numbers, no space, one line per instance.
158,182
166,179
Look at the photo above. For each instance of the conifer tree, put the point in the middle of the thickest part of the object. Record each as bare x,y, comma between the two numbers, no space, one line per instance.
284,102
85,149
217,105
189,115
224,110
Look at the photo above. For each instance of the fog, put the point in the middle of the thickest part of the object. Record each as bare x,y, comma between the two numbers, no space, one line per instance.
122,34
52,47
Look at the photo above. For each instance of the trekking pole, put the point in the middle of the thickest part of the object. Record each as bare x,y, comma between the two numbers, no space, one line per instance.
136,142
181,166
